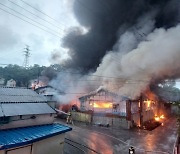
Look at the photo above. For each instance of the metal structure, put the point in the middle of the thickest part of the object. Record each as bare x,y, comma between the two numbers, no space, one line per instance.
28,135
26,56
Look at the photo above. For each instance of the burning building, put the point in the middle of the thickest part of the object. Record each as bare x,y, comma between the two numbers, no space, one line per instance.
124,50
103,101
110,108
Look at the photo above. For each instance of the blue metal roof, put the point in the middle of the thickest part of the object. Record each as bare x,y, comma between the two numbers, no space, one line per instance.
22,136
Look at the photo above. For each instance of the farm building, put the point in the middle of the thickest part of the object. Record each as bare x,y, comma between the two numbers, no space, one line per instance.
26,124
110,108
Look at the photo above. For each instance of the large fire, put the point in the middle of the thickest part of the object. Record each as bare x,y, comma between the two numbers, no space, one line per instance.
103,105
159,118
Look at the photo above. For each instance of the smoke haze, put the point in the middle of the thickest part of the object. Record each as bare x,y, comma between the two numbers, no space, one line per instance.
136,42
106,21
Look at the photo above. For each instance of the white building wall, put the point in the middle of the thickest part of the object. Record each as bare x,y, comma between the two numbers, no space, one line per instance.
39,120
11,83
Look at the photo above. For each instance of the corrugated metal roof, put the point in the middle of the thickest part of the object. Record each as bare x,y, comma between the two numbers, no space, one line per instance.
8,95
23,136
21,99
14,109
1,112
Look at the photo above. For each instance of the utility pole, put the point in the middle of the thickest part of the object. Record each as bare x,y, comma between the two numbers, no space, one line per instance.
26,56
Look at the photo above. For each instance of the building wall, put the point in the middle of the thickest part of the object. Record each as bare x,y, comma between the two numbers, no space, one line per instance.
87,103
2,151
20,150
81,117
104,120
147,115
11,83
52,145
26,120
136,119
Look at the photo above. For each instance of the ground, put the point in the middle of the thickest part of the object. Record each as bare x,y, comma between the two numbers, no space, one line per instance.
117,141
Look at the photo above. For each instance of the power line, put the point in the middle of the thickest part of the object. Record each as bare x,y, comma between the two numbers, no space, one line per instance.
41,12
30,23
101,76
36,15
27,17
39,17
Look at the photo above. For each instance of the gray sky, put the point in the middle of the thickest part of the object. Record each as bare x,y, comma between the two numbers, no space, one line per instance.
15,33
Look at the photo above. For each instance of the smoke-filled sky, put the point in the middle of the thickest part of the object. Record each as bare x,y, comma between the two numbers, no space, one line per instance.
137,41
119,38
107,20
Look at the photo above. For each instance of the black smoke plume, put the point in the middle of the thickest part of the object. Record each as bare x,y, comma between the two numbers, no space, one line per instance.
106,20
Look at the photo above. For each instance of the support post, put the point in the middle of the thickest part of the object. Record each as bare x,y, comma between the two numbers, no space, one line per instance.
141,111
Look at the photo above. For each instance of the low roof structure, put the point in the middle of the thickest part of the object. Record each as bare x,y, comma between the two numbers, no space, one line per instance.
99,90
19,95
14,109
23,136
22,101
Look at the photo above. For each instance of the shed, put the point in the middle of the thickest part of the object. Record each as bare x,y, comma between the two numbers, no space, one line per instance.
20,107
43,139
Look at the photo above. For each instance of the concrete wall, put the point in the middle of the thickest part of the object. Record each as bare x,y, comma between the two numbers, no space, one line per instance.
112,121
82,117
24,121
52,145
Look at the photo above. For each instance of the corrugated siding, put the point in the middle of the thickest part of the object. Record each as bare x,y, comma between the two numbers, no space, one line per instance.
23,136
8,95
14,109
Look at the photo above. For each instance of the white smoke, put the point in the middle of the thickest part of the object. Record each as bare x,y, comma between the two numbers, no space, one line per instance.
141,55
157,57
72,85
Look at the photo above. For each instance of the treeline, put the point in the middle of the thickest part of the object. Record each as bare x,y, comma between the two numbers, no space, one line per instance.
23,76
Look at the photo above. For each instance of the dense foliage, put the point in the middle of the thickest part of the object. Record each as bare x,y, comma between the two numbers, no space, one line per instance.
23,76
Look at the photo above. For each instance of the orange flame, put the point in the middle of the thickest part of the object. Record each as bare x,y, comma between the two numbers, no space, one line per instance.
158,118
104,105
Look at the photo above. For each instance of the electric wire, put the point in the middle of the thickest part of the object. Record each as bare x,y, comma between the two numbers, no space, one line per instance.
30,23
36,15
28,18
42,12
